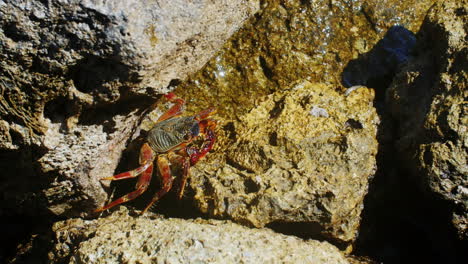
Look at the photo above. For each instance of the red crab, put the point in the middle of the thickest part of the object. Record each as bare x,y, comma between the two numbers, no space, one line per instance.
169,142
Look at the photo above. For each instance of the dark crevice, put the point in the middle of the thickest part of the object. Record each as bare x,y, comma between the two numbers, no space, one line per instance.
27,241
305,101
230,130
100,114
238,166
16,138
12,31
273,140
267,71
277,109
402,221
251,186
427,157
175,82
460,11
22,200
96,75
366,11
353,123
39,66
305,230
58,110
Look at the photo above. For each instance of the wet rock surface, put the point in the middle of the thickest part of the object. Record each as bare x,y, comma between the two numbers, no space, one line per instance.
122,238
428,99
303,155
290,41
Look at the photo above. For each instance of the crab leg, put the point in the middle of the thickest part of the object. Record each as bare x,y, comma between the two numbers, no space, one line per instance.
141,186
166,178
176,109
145,171
205,113
146,159
185,175
128,174
180,157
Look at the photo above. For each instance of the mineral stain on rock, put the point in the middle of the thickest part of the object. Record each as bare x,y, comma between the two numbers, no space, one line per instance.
152,35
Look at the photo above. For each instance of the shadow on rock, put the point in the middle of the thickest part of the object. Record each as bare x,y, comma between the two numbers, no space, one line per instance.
376,68
403,220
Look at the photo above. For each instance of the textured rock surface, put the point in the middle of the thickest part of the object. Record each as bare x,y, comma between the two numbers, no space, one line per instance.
286,42
75,77
303,155
121,238
429,99
289,41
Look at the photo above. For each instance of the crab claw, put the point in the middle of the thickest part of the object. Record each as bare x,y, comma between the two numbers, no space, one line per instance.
196,154
170,96
205,113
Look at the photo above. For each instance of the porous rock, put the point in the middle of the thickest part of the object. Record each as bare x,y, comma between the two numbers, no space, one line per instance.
75,78
121,238
429,100
302,155
289,41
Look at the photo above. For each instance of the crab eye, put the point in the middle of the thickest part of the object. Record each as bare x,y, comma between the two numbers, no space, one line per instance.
195,130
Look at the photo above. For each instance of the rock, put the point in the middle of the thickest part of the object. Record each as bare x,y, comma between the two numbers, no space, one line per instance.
76,77
285,43
360,260
284,163
428,99
120,237
290,41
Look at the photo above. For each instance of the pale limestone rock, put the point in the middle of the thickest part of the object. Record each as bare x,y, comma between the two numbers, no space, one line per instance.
121,238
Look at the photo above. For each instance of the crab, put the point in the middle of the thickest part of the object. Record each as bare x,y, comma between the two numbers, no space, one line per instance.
169,141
